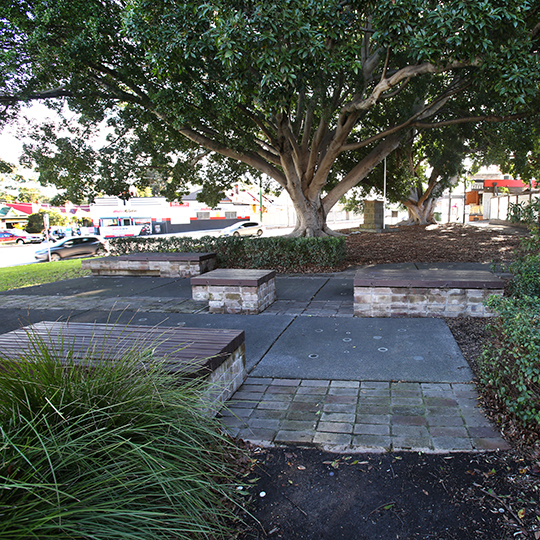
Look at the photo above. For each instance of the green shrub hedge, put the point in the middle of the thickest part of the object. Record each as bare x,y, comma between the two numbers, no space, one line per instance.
277,252
510,364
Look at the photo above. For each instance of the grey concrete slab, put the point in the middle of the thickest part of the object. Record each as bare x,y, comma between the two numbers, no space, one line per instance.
298,288
455,266
421,350
261,332
13,319
336,288
109,286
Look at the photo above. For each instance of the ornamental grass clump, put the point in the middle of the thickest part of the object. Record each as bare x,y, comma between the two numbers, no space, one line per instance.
92,449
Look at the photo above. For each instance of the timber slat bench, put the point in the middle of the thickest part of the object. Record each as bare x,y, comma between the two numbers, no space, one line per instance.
216,355
231,290
152,264
408,291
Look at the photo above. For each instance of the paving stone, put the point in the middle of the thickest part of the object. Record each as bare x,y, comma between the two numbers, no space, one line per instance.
303,416
345,384
308,398
449,431
275,405
266,423
332,438
286,382
401,410
410,431
406,402
305,407
294,437
285,398
275,389
443,421
324,383
419,444
408,420
261,436
338,407
373,418
350,400
371,429
373,409
483,432
311,390
337,417
498,443
258,380
376,442
335,427
340,391
375,384
375,392
298,425
267,413
447,444
440,402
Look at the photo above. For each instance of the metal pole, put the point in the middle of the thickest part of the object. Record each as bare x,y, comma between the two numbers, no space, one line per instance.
384,193
260,199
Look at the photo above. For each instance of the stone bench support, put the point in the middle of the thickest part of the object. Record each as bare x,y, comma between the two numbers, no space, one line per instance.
153,264
236,291
216,355
383,292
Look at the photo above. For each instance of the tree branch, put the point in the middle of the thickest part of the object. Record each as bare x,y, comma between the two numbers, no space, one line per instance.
405,73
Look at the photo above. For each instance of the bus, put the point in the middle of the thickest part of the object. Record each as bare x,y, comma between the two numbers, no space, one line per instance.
111,227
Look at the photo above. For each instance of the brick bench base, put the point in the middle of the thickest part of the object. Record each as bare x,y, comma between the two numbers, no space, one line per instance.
229,290
216,355
153,264
383,292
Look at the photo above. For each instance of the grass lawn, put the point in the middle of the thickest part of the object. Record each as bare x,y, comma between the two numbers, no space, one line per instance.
15,277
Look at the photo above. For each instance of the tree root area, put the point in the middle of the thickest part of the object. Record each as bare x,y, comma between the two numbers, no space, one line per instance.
313,495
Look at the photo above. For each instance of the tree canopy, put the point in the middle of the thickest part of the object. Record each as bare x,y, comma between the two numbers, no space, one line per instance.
313,93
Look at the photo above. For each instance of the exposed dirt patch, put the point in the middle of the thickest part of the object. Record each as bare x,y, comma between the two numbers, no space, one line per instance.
313,495
309,494
434,243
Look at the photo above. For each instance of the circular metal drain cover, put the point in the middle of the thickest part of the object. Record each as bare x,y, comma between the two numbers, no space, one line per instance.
313,356
347,339
382,349
377,337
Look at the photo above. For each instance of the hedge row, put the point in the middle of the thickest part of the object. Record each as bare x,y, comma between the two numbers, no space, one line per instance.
279,253
510,365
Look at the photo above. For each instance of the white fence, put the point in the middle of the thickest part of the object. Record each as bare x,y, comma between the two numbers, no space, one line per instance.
498,207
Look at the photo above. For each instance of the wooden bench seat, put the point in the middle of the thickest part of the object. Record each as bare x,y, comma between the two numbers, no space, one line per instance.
217,355
234,290
152,264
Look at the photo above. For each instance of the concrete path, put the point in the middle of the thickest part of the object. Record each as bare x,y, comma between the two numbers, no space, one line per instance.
317,375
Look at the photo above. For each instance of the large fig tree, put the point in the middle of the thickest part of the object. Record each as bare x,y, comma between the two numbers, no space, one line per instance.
312,93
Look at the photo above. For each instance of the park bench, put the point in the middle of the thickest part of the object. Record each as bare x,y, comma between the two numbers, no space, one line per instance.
215,355
407,290
152,264
233,290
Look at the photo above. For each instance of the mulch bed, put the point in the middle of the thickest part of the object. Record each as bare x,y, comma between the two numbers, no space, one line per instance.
304,493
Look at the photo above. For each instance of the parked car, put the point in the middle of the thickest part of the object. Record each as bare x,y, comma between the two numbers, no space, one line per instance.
75,246
16,236
244,228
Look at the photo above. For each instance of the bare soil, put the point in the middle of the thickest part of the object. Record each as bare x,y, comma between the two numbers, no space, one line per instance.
304,493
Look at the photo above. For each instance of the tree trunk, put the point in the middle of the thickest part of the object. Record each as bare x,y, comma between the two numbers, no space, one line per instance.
310,217
420,213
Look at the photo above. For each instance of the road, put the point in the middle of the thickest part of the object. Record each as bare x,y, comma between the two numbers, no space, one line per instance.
16,255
